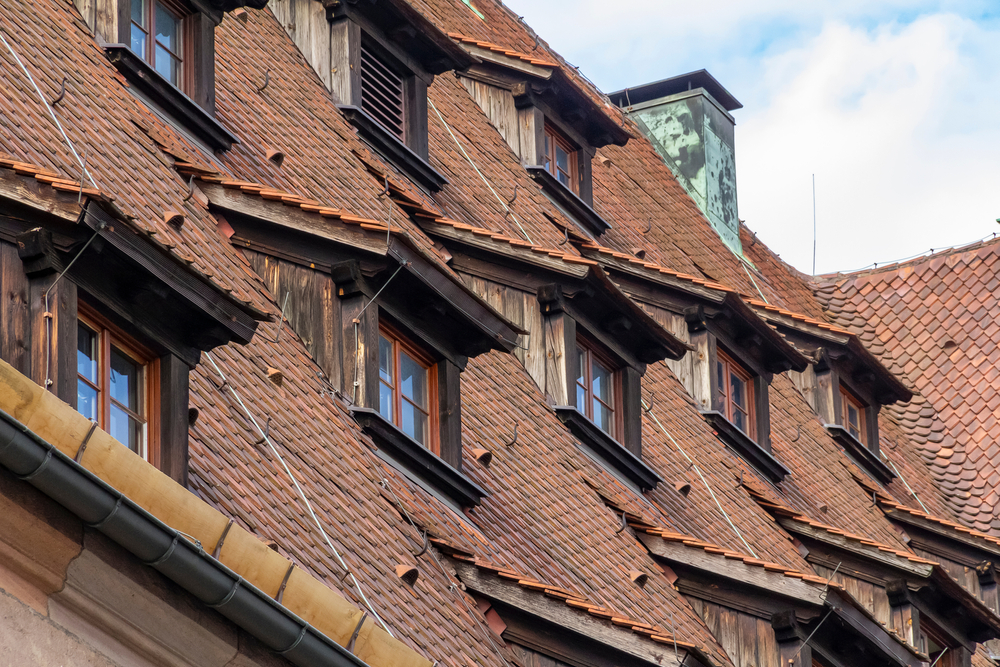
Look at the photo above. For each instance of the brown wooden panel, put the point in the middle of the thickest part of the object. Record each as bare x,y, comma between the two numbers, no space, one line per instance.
53,351
311,309
15,317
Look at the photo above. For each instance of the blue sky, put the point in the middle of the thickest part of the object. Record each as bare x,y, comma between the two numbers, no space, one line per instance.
893,105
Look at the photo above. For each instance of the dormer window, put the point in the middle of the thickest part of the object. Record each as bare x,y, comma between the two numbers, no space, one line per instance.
114,385
598,395
158,37
561,158
407,382
736,394
378,63
165,49
597,343
853,415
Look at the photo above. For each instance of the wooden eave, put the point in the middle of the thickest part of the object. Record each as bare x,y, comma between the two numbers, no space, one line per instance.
888,388
853,615
24,190
646,327
731,568
576,622
865,551
403,26
325,225
519,253
960,536
576,107
491,61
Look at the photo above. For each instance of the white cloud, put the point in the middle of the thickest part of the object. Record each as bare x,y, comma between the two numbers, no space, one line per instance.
889,121
892,106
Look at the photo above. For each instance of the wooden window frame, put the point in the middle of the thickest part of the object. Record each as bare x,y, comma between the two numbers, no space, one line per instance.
108,333
401,342
847,399
186,52
557,138
592,350
733,367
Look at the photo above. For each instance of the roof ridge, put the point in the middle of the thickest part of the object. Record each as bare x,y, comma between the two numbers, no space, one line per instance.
839,276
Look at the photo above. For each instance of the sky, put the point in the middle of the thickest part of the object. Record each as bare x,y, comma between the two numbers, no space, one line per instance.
893,105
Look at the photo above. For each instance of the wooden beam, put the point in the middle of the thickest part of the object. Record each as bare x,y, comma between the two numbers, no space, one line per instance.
866,552
508,62
774,583
504,249
574,621
978,543
27,191
292,217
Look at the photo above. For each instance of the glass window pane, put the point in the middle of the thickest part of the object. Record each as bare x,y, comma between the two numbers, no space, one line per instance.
139,12
600,383
385,407
86,400
168,28
385,359
139,42
739,390
581,398
581,366
167,65
562,158
721,378
740,420
414,423
548,153
126,376
413,380
86,353
126,430
603,417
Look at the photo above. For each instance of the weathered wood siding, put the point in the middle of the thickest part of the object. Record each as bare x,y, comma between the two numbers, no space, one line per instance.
872,596
963,574
530,658
522,309
15,312
748,640
498,104
305,22
312,310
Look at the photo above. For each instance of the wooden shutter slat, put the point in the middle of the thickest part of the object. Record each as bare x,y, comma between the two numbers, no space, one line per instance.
382,92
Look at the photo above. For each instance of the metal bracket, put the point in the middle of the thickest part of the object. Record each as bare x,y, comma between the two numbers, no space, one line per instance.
61,95
514,440
222,540
623,526
357,630
267,81
423,549
284,582
86,439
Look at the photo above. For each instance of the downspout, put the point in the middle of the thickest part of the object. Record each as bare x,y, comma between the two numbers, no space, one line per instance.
155,544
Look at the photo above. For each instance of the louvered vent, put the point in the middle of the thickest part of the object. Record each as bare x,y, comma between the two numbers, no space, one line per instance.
382,92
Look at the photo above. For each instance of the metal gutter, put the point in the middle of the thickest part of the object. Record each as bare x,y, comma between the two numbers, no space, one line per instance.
166,550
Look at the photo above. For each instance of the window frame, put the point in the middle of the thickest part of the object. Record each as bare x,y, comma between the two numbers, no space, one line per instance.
184,54
732,367
108,334
554,138
402,342
849,399
592,351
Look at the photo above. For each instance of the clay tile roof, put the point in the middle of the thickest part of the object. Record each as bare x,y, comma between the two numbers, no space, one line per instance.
933,320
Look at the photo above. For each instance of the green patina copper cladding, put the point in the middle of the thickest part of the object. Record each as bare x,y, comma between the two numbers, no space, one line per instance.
695,137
